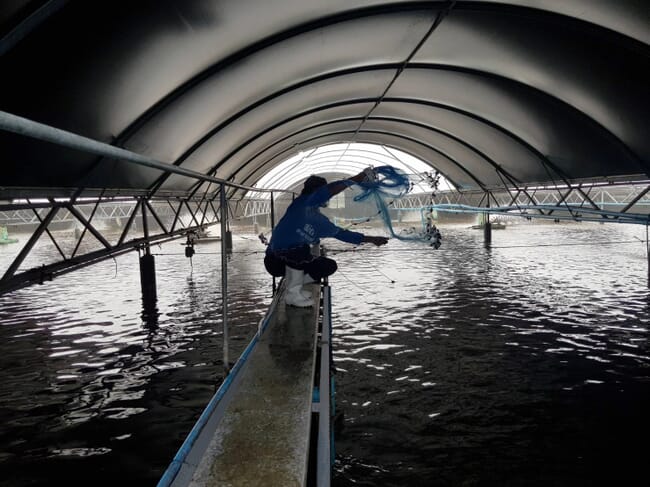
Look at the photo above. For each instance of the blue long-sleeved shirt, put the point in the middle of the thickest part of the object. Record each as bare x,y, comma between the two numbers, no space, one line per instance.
303,224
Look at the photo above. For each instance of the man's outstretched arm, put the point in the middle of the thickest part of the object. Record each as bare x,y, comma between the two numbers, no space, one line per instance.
374,240
336,187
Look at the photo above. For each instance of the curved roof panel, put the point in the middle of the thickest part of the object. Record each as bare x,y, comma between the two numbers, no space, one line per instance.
485,91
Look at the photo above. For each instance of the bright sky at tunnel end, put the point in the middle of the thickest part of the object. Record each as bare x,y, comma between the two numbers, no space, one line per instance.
345,158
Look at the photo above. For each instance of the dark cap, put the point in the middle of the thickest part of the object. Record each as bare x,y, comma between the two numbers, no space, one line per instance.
312,183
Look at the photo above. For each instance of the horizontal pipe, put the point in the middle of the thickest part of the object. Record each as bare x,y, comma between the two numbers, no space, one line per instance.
516,211
36,130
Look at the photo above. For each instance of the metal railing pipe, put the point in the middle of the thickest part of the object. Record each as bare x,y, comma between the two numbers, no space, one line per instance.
36,130
324,447
272,228
224,276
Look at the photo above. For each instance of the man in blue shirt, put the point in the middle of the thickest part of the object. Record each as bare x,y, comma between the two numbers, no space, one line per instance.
289,253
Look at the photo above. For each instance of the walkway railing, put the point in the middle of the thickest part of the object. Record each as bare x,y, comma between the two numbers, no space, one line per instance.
46,212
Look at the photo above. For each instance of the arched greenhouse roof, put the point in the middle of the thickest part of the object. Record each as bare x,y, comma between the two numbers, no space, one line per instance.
487,92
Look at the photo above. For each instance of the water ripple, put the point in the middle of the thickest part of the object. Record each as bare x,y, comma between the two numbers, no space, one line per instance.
515,365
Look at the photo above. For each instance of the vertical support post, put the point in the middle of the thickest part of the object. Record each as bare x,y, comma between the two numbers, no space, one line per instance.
647,247
148,280
228,241
487,226
272,227
324,447
145,225
224,276
147,269
487,231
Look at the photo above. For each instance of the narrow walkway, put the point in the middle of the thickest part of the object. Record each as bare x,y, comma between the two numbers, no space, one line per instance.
264,433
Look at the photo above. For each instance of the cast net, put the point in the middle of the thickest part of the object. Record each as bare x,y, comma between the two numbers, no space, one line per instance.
390,185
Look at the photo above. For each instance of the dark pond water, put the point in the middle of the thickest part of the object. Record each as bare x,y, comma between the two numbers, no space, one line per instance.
527,364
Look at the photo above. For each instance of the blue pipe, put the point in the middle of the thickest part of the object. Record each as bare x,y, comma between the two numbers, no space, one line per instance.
620,217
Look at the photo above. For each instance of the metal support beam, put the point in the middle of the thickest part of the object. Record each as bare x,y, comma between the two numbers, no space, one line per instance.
564,197
590,201
272,228
647,248
129,222
177,214
192,213
214,210
11,282
29,245
324,447
87,226
204,211
224,278
156,217
514,198
635,200
83,233
49,234
29,128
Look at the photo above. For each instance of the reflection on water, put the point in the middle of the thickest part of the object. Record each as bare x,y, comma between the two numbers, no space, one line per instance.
523,364
519,365
88,383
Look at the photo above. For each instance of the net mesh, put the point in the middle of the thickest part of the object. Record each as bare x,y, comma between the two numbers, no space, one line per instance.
391,183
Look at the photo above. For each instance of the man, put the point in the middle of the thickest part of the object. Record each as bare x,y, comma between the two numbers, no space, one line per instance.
289,253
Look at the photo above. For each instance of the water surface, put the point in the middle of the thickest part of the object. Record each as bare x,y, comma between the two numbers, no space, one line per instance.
525,364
